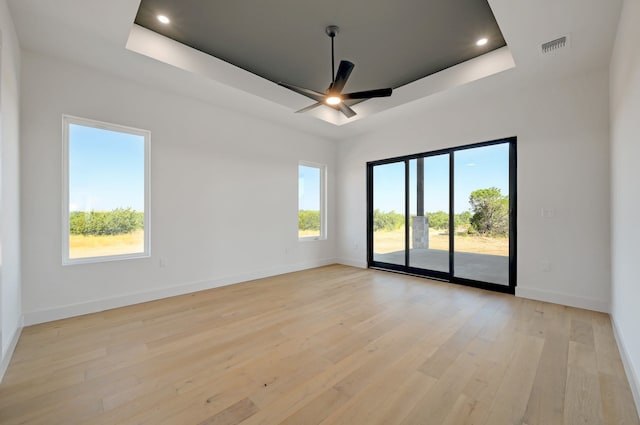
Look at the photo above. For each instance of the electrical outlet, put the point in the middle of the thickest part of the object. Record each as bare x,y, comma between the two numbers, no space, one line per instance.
545,265
547,213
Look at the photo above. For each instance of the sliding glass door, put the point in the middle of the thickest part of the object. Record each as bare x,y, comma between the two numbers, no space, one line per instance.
448,214
482,193
389,230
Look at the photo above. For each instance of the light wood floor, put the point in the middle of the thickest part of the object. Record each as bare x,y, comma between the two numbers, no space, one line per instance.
334,345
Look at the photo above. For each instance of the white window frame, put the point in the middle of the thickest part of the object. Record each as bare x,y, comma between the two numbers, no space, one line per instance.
323,200
68,120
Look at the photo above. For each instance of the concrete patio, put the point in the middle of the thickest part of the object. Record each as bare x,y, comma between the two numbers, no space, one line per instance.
482,267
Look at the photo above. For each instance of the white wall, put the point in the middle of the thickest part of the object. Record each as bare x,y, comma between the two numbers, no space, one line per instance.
625,195
223,193
10,291
562,149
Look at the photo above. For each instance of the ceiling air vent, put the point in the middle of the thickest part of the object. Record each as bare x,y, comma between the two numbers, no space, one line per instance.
555,45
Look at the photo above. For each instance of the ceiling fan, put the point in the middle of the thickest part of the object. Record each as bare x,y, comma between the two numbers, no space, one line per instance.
334,97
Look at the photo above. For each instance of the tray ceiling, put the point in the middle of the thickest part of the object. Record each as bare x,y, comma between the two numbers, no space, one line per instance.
391,43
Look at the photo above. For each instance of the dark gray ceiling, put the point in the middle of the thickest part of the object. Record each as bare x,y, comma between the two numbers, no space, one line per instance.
392,43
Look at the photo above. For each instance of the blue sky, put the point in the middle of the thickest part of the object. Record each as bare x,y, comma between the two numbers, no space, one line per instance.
476,168
308,188
106,169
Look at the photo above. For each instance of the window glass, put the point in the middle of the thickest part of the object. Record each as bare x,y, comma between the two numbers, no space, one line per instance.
311,201
106,206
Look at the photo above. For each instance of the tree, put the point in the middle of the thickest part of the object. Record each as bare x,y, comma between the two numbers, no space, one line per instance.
490,212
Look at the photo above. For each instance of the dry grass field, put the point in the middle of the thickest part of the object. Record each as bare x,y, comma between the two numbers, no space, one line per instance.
94,246
308,233
390,241
385,241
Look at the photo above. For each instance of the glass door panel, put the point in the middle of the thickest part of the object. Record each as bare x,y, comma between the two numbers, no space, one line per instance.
481,200
389,213
429,206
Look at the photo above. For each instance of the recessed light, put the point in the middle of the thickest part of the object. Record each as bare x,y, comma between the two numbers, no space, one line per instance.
163,19
333,100
482,42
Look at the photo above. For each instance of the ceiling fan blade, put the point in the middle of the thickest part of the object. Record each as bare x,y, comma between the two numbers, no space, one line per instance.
310,107
368,94
317,96
344,70
346,110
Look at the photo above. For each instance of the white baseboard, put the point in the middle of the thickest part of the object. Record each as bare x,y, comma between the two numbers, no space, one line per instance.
9,353
94,306
632,374
352,262
565,299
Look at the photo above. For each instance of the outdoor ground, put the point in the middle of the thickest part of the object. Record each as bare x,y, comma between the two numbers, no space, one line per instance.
94,246
390,241
307,233
384,242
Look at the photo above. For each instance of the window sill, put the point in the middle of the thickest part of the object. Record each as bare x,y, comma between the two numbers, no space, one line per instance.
312,239
103,259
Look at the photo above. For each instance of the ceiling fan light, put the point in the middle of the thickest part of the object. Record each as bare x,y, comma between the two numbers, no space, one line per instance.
482,41
333,100
163,19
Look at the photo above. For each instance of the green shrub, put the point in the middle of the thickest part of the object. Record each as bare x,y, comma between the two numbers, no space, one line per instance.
438,220
462,219
387,221
309,220
115,222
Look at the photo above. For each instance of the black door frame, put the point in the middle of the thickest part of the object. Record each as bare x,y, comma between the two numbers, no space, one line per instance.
447,276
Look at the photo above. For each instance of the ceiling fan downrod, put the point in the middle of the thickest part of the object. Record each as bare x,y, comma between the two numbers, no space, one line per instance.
332,31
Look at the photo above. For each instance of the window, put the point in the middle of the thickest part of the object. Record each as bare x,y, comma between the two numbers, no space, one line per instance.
106,192
311,201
